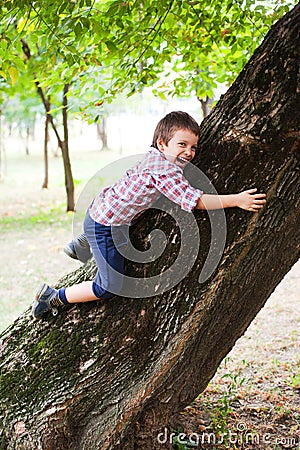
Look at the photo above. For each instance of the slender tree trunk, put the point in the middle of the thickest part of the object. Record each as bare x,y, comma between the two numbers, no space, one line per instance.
205,106
63,144
102,132
27,140
114,374
46,159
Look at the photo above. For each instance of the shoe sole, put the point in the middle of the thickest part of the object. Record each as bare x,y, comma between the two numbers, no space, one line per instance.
38,295
68,251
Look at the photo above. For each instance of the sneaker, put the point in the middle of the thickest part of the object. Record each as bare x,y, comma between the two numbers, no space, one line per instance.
46,299
79,249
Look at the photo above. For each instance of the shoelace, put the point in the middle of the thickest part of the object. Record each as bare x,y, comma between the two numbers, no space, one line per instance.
56,301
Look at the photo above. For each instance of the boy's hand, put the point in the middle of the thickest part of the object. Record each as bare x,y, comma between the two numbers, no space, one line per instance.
250,200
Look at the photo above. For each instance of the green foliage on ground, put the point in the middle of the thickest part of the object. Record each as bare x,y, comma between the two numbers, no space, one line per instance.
52,215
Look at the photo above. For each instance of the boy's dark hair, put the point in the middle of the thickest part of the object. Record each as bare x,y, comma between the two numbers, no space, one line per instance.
176,120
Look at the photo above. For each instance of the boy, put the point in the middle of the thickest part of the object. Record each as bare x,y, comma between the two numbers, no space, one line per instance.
174,144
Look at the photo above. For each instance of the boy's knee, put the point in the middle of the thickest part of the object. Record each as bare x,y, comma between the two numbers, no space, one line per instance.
100,292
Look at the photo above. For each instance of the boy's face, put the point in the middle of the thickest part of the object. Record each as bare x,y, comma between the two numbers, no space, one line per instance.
181,148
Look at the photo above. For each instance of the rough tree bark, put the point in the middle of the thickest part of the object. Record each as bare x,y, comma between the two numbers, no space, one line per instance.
112,375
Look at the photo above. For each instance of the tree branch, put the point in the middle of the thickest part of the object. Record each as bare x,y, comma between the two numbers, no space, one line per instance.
160,22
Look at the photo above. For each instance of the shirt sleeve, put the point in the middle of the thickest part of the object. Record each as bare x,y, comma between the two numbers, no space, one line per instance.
176,188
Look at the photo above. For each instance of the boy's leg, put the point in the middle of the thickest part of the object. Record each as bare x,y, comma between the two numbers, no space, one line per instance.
79,293
110,263
108,281
48,299
110,268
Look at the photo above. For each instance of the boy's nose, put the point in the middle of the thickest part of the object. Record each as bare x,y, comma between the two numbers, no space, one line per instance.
188,152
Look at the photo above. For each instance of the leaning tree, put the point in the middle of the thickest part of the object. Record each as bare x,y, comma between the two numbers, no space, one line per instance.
112,375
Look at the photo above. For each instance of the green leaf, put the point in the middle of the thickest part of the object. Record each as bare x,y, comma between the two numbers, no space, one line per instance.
114,7
111,46
63,7
85,22
78,30
13,73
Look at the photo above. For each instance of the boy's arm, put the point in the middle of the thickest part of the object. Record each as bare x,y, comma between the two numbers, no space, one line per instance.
249,200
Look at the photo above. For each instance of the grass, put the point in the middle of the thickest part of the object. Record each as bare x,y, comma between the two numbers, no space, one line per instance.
52,215
295,377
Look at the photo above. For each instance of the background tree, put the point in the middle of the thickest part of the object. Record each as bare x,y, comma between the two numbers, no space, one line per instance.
113,375
21,110
63,142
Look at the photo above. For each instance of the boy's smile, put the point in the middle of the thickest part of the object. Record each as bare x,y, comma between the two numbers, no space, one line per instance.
181,148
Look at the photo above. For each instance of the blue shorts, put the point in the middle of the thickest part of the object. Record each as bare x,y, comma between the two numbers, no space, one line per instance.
105,242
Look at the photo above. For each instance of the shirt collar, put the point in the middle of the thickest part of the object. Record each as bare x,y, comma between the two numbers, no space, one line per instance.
157,152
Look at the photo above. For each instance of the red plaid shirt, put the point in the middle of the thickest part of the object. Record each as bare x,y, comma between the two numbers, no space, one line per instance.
140,187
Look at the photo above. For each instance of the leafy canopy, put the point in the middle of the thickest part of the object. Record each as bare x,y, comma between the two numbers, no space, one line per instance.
117,45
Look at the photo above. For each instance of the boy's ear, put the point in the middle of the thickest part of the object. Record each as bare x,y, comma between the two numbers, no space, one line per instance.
160,144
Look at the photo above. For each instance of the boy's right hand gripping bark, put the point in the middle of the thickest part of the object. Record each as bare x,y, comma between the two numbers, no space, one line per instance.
250,200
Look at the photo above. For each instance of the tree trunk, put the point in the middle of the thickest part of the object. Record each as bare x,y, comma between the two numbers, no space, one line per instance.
102,132
46,159
69,183
114,374
27,137
63,144
205,106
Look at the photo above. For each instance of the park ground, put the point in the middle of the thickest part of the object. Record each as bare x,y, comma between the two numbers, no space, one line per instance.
253,402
